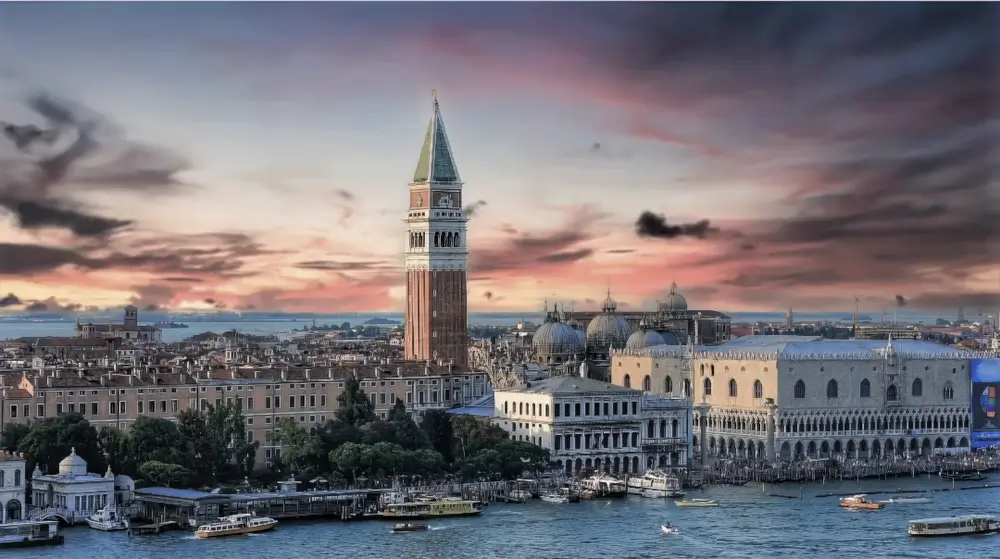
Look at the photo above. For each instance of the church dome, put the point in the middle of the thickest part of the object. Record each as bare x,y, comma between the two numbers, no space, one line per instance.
643,338
73,465
608,329
675,301
556,339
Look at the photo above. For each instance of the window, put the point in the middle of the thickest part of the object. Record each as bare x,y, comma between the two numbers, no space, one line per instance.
918,388
758,389
708,387
93,408
647,383
163,406
173,406
121,408
949,392
831,389
112,408
627,381
267,402
635,408
140,406
891,394
13,412
59,409
322,400
291,401
250,404
866,389
668,385
733,389
576,411
800,389
302,400
312,400
41,410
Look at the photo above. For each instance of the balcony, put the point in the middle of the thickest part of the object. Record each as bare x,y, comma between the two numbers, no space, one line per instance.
662,445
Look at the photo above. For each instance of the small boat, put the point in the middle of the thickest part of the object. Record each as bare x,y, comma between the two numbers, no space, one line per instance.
407,527
962,476
908,500
668,528
859,502
697,503
235,525
954,526
30,534
655,484
554,498
107,520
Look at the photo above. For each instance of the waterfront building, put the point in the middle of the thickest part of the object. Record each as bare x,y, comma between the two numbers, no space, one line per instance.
265,393
73,493
128,329
13,486
436,321
590,424
770,397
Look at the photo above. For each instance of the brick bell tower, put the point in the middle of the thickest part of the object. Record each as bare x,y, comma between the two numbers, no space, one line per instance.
437,308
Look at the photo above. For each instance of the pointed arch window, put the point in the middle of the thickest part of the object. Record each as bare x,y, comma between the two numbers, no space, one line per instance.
758,389
437,238
831,389
866,388
668,385
800,389
647,383
949,392
687,387
458,240
627,381
891,394
733,389
918,388
708,387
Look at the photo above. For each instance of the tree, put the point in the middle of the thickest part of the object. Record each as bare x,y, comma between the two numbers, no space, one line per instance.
153,439
437,425
52,439
298,447
472,434
164,474
354,407
13,433
113,445
198,445
398,411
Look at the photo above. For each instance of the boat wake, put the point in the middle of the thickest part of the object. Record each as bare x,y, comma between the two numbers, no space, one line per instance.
436,528
190,538
510,512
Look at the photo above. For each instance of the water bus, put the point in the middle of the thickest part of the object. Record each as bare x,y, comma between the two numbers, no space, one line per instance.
954,526
603,485
30,534
434,509
236,524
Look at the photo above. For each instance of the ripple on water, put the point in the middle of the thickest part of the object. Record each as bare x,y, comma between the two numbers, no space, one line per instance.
748,524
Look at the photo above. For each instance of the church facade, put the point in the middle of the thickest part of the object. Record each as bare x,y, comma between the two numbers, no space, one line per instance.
437,311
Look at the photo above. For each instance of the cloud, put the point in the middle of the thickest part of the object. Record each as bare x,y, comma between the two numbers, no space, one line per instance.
900,301
344,200
344,266
567,256
521,251
52,305
620,251
473,208
9,300
653,225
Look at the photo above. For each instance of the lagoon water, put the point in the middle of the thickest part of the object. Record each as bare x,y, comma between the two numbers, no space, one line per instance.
747,524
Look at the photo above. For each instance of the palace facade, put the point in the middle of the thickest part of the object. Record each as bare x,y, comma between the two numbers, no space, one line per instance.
794,397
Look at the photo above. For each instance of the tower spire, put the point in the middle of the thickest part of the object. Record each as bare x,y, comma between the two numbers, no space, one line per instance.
436,162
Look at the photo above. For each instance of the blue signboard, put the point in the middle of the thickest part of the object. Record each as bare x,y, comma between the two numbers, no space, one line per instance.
985,425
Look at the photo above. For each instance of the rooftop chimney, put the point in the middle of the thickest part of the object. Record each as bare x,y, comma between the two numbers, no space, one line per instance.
378,372
48,382
451,366
79,373
399,372
131,380
427,370
232,375
208,374
329,373
256,374
102,380
284,374
308,374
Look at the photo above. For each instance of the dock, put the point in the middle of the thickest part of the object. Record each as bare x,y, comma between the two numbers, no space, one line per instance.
154,528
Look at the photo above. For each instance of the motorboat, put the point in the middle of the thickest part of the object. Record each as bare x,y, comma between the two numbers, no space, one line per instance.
909,500
408,527
962,476
954,526
655,484
860,502
604,485
668,528
554,498
235,525
697,503
107,519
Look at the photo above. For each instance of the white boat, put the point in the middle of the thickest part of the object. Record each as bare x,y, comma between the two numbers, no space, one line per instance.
909,500
604,485
554,498
954,526
107,519
668,529
697,503
655,484
236,524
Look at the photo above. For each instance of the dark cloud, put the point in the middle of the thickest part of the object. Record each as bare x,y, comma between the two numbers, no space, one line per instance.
9,300
52,305
179,279
900,301
29,259
949,301
64,156
344,201
473,208
488,295
653,225
621,251
216,304
568,256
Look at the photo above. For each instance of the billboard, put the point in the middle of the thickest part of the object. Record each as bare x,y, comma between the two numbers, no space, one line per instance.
985,425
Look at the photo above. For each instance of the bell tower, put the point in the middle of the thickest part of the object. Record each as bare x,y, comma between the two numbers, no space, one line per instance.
437,311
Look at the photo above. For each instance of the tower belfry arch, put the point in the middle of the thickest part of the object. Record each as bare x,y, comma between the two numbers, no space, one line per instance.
436,320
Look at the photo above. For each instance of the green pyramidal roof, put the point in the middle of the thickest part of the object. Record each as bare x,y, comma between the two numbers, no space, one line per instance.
436,163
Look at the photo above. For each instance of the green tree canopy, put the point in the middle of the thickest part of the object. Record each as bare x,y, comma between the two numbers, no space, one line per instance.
354,407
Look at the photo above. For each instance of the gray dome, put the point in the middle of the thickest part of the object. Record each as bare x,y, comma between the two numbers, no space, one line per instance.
675,301
643,338
670,338
556,338
608,329
581,337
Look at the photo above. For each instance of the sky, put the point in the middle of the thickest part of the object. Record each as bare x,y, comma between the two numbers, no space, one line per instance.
257,156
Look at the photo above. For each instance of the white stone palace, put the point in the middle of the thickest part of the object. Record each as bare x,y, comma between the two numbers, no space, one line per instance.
72,494
13,486
586,423
801,396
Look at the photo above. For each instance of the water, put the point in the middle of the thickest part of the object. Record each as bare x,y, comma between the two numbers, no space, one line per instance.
11,330
747,524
